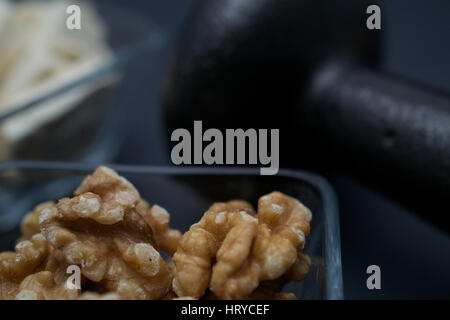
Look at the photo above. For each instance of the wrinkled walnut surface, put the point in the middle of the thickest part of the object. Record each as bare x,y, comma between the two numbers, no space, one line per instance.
104,231
232,249
115,238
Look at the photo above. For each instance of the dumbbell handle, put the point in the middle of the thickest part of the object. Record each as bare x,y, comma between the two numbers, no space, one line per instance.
397,130
245,63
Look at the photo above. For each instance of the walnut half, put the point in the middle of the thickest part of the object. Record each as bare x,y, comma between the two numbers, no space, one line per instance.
232,249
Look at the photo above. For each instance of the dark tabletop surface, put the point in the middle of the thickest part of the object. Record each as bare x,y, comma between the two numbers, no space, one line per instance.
414,256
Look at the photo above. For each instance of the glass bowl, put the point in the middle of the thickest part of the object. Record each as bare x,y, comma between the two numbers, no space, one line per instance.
92,129
186,193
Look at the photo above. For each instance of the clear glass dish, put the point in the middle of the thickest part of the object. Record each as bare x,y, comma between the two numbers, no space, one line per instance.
186,193
94,128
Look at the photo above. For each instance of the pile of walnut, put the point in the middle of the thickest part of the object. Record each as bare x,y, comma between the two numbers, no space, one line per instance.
114,237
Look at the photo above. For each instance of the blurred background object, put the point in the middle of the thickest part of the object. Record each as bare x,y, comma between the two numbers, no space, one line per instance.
309,68
38,54
63,93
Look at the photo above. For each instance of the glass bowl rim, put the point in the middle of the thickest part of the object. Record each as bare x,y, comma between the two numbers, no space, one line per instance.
331,235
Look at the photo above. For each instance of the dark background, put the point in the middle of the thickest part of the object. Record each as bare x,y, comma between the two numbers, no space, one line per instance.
414,256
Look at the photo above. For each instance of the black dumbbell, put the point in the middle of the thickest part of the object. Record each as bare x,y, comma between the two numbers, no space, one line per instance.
307,67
